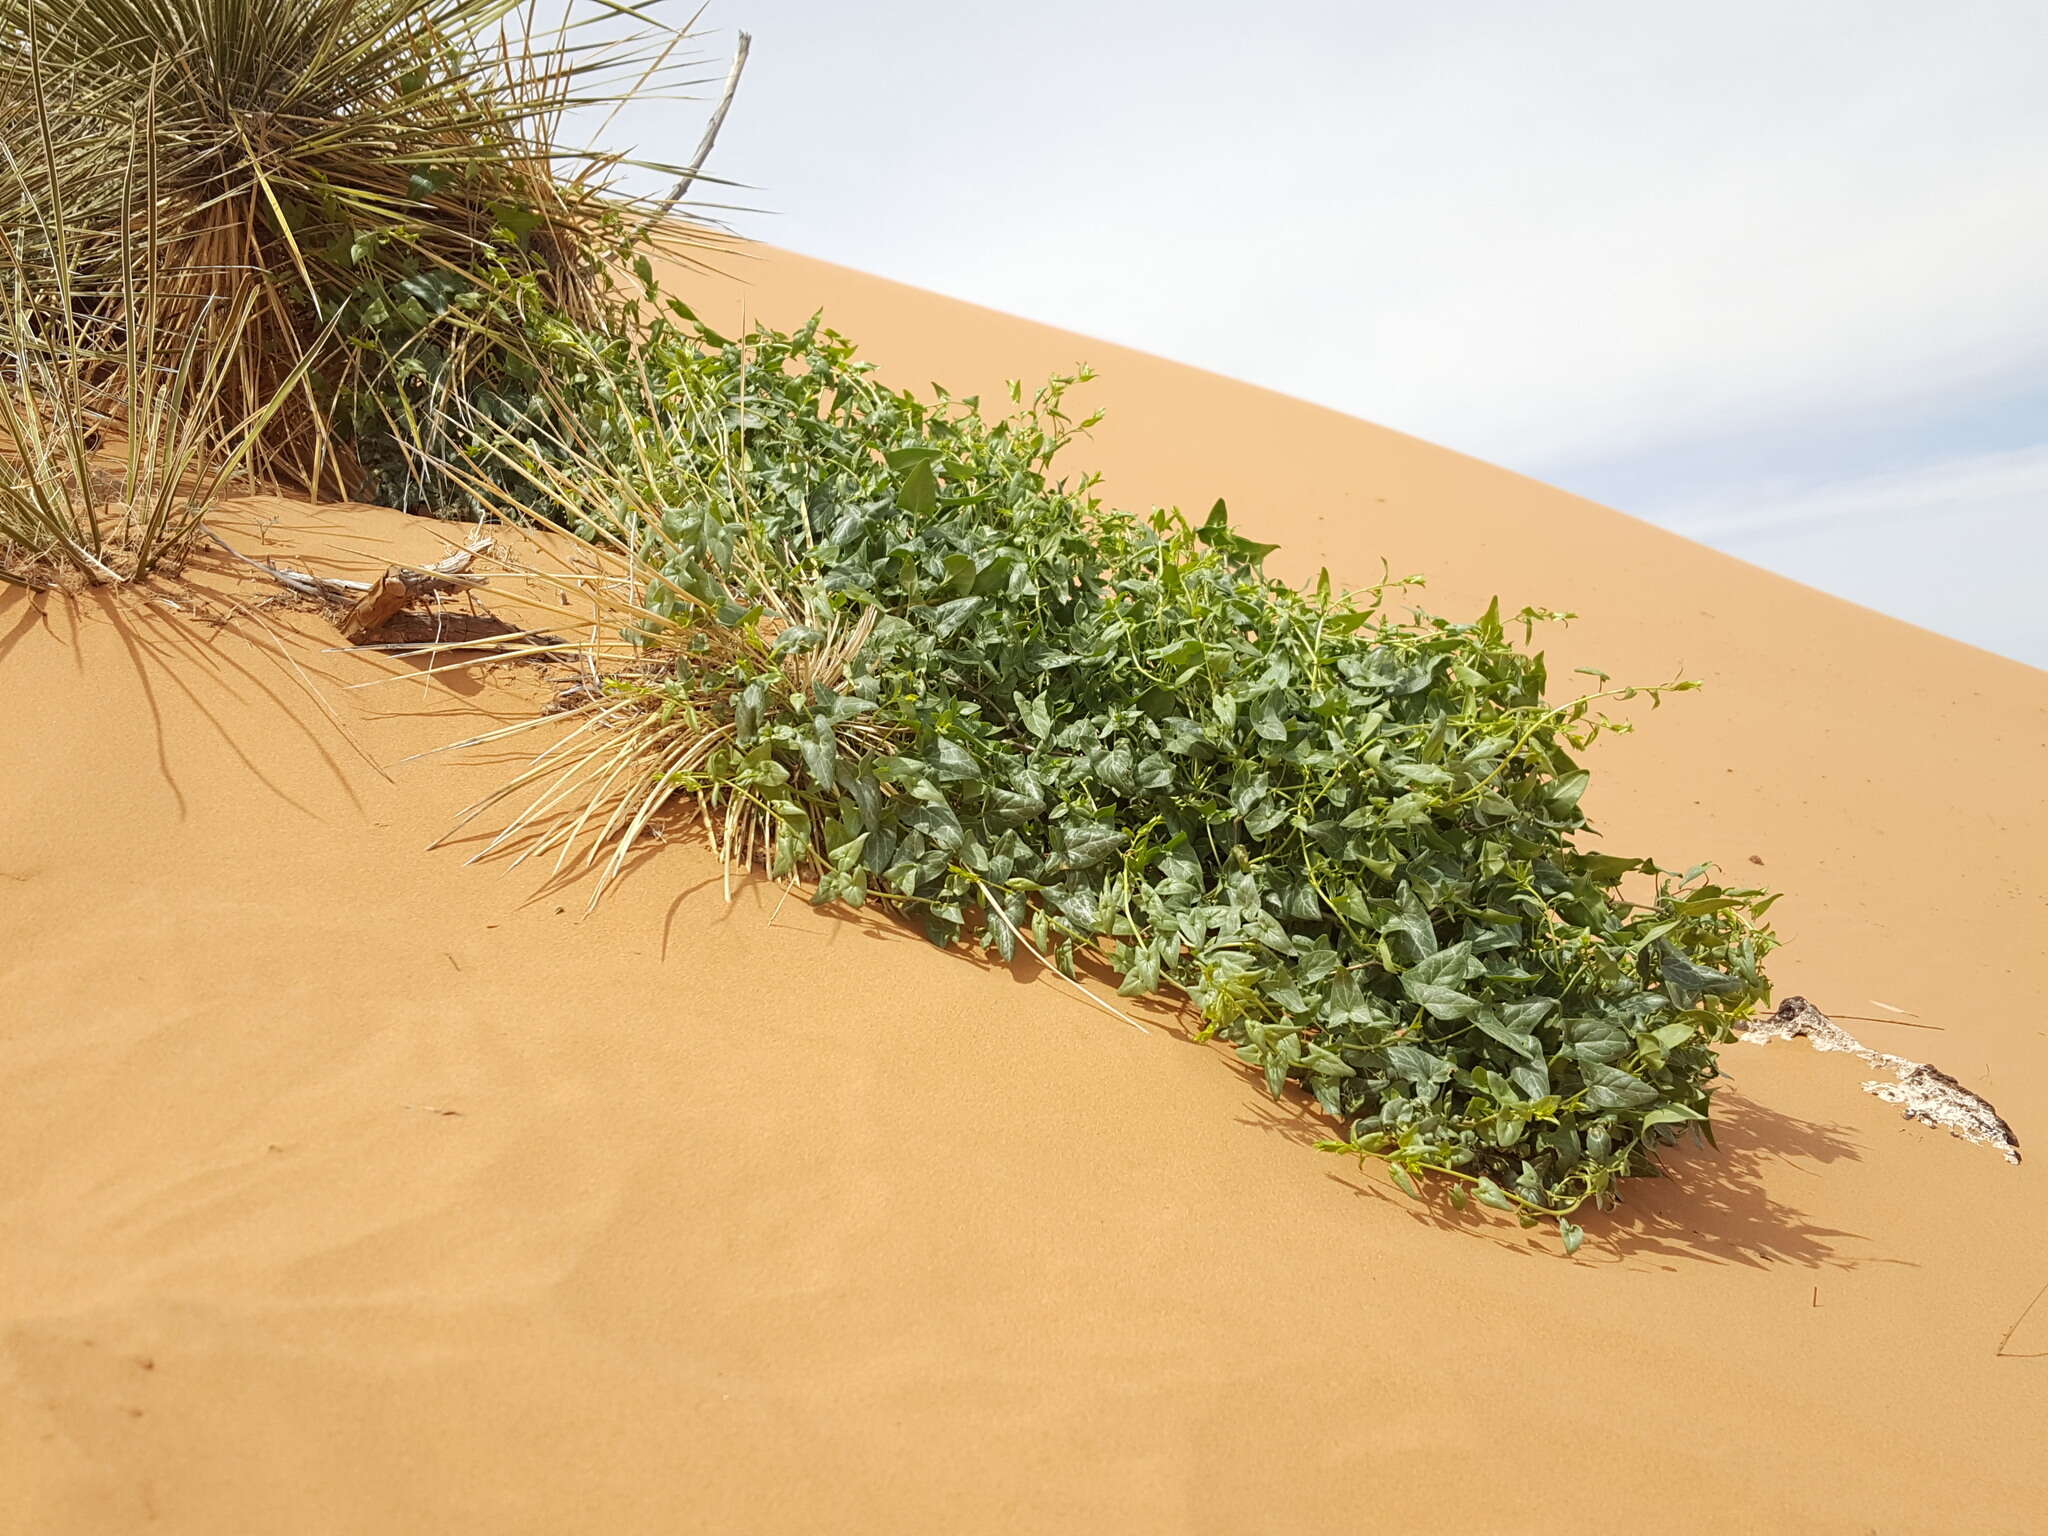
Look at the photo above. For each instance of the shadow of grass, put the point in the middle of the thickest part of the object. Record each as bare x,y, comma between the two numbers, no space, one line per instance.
1716,1205
1720,1204
1725,1204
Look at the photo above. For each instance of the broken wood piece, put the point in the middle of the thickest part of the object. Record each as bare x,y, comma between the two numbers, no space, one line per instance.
336,589
1928,1094
398,589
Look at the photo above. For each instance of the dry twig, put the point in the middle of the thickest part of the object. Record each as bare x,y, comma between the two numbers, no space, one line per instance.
696,165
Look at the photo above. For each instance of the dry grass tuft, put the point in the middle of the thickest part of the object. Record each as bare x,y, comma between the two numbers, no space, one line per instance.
652,701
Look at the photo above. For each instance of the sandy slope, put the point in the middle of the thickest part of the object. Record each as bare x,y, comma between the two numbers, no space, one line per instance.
757,1219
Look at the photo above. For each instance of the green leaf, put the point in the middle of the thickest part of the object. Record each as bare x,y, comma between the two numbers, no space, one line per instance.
1268,721
1445,966
1671,1036
1565,792
1688,983
1326,1064
1486,1192
1607,868
821,752
1087,845
948,617
1611,1088
1417,1065
1411,920
1526,1013
1671,1114
952,763
1217,534
1442,1002
918,492
1527,1046
1015,808
1597,1040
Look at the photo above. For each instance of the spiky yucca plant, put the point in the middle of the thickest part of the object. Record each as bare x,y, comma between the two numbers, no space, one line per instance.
370,178
116,430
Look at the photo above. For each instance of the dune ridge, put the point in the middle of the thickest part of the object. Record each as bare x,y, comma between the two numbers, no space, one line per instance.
346,1188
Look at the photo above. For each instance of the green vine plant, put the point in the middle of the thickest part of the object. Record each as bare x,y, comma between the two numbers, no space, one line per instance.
883,650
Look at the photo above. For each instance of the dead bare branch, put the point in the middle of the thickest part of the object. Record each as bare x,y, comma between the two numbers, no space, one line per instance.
1927,1093
696,165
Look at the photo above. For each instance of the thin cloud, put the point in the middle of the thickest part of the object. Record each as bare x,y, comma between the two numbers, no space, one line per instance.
1754,515
1584,240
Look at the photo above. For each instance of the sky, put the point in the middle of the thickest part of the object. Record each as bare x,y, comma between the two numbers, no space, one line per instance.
1774,276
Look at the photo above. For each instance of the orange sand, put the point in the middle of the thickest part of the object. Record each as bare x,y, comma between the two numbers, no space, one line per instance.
754,1218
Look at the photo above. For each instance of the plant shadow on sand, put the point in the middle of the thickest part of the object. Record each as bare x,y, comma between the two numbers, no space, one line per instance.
1714,1205
176,667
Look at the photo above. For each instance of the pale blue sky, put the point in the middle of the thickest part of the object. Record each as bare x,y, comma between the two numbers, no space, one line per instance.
1773,276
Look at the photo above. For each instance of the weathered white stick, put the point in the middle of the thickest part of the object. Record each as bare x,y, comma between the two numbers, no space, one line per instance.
696,166
336,589
1926,1093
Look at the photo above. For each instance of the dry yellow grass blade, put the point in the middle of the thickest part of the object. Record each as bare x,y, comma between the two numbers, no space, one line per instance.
643,715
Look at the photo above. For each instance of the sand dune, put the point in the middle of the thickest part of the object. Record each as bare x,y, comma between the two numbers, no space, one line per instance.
346,1188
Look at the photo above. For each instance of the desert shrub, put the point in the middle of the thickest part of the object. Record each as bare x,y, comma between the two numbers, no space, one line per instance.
886,652
378,187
